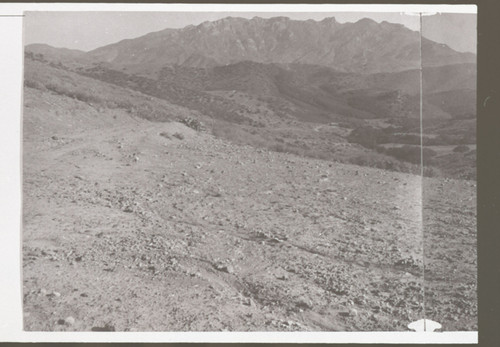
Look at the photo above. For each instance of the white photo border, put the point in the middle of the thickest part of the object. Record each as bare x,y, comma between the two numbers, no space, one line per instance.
11,82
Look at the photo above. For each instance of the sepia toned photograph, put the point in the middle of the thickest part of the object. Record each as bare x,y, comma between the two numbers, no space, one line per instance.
249,171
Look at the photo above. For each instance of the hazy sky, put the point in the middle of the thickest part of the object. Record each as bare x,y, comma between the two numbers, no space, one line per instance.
90,30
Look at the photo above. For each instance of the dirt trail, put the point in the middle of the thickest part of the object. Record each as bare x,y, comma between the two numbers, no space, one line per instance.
129,230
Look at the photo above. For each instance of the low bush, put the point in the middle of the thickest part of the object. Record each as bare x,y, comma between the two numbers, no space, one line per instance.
34,84
410,154
380,162
69,91
178,136
192,123
461,149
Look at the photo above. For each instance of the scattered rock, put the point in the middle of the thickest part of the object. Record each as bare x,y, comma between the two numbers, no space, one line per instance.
224,268
54,294
248,302
304,304
282,276
295,200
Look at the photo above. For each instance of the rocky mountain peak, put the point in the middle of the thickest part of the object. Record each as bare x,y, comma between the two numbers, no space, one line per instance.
364,46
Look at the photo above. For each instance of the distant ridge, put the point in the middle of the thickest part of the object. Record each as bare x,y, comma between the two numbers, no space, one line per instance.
364,47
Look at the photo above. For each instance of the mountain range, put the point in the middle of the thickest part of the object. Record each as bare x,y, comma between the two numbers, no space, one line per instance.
362,47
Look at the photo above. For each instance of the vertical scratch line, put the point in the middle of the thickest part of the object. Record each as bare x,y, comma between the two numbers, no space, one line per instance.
422,173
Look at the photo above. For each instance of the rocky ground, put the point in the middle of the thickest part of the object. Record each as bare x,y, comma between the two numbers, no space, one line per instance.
131,225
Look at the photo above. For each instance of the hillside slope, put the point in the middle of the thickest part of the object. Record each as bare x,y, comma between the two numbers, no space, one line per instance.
135,225
303,109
